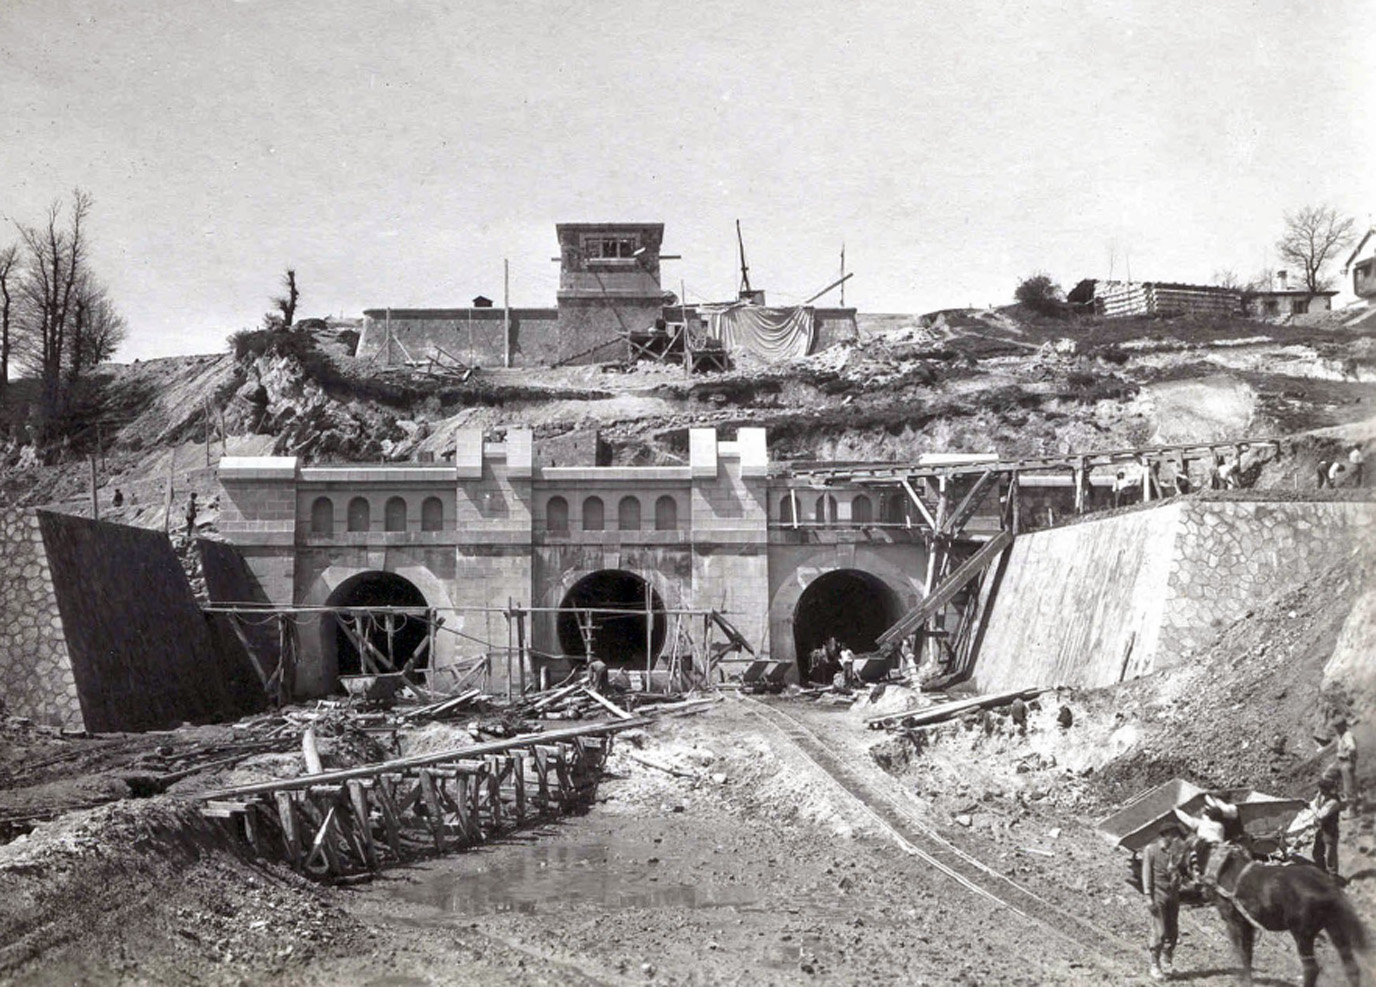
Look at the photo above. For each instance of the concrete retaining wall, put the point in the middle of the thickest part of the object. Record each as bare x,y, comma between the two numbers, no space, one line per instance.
1094,603
1080,605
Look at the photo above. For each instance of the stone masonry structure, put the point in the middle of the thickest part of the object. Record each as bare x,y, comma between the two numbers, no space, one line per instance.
34,668
466,538
101,631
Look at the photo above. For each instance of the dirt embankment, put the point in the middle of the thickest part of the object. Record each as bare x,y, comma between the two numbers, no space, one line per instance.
971,382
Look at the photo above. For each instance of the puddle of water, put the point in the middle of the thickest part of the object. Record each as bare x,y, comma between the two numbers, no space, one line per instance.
539,878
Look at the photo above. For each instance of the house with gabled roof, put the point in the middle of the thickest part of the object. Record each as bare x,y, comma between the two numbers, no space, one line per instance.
1357,287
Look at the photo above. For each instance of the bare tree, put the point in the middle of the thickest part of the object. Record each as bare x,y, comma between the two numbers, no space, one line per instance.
9,277
284,314
97,329
1313,236
51,289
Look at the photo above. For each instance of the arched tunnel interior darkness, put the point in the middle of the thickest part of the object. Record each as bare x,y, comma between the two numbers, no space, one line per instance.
618,639
376,589
848,604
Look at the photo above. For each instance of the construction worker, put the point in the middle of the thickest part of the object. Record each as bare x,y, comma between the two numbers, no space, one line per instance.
597,674
1323,473
1326,806
1345,752
1161,886
1216,824
191,514
1357,463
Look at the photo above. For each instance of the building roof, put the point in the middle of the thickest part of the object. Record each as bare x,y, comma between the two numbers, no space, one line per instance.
1358,249
1305,292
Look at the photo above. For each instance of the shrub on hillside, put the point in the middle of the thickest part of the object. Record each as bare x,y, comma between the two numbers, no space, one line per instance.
1041,294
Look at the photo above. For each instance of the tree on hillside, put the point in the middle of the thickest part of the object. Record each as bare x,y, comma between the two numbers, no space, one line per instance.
1313,236
97,329
1040,294
51,288
9,278
283,315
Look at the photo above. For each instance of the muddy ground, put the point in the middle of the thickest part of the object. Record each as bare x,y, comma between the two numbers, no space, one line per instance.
757,869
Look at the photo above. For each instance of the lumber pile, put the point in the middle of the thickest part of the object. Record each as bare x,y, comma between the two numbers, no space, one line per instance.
944,712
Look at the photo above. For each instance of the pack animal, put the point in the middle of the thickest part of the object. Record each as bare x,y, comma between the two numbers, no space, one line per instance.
1297,898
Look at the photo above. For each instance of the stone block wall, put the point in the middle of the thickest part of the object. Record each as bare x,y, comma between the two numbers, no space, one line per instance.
35,672
1231,554
473,335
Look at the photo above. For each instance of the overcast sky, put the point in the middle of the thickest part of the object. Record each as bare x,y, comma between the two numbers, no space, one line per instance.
394,153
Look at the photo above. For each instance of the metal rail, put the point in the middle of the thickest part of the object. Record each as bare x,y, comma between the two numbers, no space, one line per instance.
925,843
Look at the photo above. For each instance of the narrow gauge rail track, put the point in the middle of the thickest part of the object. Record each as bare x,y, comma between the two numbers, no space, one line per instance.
922,841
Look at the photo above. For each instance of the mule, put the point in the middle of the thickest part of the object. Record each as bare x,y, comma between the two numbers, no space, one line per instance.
1296,898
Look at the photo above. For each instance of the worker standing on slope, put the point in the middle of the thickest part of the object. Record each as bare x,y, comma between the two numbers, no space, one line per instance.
1326,807
1357,462
1161,885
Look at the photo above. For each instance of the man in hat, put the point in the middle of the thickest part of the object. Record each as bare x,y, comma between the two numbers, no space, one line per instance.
1326,807
1161,886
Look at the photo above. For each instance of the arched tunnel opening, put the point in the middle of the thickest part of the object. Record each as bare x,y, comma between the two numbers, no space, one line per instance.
407,632
852,606
618,639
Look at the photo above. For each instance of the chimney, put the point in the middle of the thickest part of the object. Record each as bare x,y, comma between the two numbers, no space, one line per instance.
1281,276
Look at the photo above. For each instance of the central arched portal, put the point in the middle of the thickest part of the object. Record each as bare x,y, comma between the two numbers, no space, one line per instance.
376,589
616,638
850,605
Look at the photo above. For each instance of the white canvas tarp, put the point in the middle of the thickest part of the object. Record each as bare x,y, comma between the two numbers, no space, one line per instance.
771,334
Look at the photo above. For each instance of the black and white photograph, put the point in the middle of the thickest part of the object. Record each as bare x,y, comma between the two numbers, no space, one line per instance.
550,494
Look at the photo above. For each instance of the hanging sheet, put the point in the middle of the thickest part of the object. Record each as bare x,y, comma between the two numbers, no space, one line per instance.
772,334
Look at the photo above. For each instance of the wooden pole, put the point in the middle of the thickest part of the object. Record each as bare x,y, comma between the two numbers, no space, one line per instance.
506,313
95,500
819,294
509,632
687,350
430,639
649,638
167,498
521,654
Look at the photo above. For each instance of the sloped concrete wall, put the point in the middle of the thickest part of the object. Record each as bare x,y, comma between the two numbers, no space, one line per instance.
35,674
1080,605
1095,603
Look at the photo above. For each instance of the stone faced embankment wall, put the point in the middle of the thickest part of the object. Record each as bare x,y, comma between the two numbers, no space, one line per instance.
139,647
100,631
1094,603
35,676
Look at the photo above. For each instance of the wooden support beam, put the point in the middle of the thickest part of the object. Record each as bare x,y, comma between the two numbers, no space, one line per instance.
358,801
434,811
286,814
518,776
382,795
921,507
968,504
945,592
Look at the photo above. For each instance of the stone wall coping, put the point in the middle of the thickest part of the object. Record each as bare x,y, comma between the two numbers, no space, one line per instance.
258,468
410,473
638,474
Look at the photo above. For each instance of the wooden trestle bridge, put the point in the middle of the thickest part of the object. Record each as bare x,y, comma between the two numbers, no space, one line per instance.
361,819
